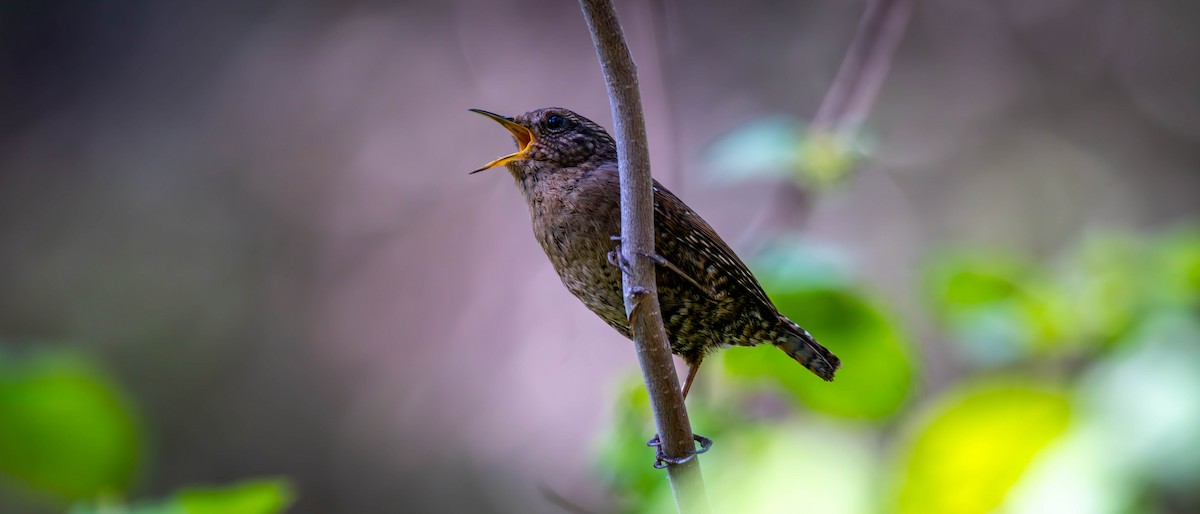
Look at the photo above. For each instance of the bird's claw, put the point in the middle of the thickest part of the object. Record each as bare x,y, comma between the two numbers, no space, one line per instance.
616,259
661,461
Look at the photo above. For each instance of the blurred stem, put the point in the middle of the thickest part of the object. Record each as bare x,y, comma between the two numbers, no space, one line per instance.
854,89
845,107
658,18
637,239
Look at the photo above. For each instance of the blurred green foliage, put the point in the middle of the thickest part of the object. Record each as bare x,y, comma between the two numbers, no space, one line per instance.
994,305
258,496
1074,390
262,496
784,147
1001,309
69,435
976,445
874,388
64,427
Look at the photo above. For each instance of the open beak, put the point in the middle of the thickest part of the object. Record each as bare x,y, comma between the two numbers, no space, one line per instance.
524,139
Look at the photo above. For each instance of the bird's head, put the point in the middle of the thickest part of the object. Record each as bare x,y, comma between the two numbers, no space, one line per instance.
551,138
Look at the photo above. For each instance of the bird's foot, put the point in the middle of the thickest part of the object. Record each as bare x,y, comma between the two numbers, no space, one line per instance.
617,259
661,460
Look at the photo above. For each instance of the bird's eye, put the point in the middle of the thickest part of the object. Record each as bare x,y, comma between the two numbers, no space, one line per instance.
555,122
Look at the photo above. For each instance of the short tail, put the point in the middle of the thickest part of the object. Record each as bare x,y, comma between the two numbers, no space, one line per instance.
798,343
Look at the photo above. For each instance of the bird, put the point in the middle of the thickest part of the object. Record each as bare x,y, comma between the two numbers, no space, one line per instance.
566,168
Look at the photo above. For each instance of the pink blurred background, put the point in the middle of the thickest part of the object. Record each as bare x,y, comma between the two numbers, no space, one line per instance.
259,215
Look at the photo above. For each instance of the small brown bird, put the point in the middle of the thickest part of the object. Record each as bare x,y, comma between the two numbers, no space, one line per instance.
566,167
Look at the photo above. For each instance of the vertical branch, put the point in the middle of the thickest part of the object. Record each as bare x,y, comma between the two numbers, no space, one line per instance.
637,240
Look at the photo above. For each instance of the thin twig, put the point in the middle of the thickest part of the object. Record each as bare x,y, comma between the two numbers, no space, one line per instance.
662,57
561,501
637,240
845,106
857,83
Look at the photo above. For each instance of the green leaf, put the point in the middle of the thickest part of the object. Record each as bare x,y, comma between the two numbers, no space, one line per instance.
768,147
1179,262
259,496
975,443
959,281
65,429
826,159
783,147
876,372
998,309
256,496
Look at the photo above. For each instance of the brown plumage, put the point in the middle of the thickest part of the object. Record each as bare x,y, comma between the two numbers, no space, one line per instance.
566,168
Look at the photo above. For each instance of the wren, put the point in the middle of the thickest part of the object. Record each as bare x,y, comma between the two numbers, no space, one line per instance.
566,168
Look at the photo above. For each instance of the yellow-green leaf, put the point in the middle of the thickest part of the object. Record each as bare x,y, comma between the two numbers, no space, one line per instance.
975,444
259,496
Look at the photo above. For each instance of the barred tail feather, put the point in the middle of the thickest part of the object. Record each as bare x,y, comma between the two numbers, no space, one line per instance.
801,345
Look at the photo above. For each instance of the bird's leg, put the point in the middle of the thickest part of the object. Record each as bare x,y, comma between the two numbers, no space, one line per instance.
661,460
693,367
